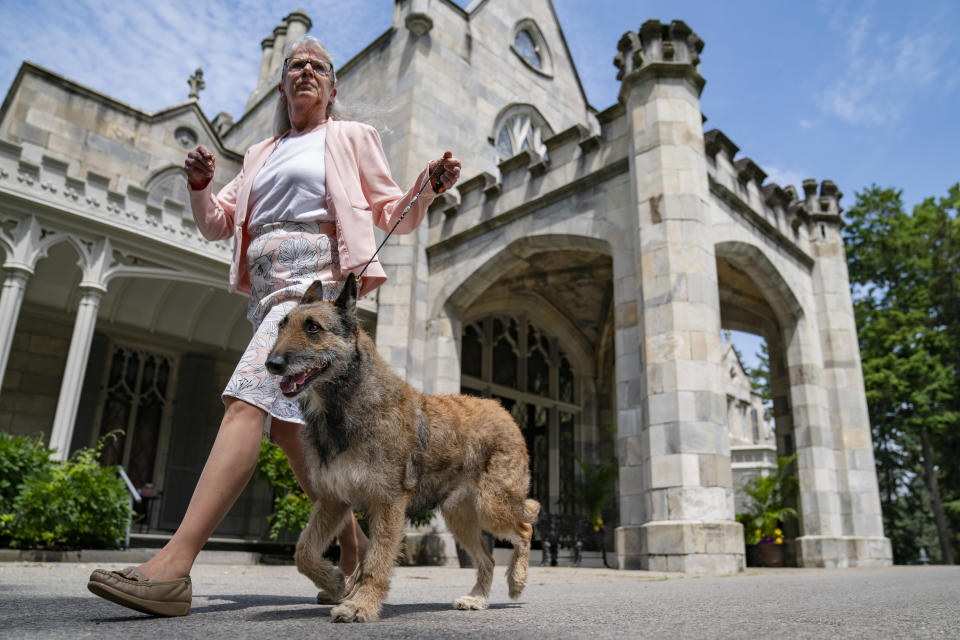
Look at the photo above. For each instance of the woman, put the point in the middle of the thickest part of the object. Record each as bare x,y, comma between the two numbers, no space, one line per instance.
300,210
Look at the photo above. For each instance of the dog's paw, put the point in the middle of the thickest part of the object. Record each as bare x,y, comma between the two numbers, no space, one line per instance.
474,603
350,611
325,598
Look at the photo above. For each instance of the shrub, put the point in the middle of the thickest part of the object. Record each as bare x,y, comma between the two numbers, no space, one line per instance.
69,505
291,507
19,456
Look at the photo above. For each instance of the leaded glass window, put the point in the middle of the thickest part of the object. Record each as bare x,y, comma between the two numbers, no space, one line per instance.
520,131
505,358
134,400
512,359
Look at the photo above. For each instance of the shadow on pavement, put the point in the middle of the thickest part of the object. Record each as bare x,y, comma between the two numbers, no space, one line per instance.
389,611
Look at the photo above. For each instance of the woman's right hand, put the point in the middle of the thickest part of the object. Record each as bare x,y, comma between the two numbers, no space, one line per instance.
199,166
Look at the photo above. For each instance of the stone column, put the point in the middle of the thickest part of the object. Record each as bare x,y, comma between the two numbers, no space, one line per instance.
442,361
676,487
861,520
14,286
279,43
267,45
63,421
297,24
402,305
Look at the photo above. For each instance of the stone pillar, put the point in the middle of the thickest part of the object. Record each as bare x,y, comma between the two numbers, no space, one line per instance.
265,62
298,23
402,305
676,488
14,286
86,321
442,361
279,43
861,520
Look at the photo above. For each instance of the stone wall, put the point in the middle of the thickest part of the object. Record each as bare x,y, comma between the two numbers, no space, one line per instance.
28,399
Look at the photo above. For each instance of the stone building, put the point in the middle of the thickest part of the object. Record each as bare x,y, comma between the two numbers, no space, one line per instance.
581,273
753,447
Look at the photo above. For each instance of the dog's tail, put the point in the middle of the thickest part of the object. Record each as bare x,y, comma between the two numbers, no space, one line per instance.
531,511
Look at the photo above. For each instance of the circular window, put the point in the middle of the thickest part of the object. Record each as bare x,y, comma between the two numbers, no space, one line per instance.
186,137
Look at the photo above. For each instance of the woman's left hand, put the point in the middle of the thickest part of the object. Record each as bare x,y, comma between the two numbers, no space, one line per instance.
448,175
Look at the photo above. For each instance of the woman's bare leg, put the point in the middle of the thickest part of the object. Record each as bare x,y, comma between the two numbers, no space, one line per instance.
353,543
227,471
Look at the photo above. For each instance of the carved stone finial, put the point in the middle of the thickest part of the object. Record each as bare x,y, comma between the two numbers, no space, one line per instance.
418,20
418,23
196,84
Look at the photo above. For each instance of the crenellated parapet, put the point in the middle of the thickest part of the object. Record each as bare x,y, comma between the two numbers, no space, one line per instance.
821,203
87,201
576,159
781,211
659,49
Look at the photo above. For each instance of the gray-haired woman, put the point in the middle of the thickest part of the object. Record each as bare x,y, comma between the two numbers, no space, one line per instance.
294,215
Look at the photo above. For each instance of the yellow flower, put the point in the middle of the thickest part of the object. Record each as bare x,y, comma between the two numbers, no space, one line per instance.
779,540
777,532
759,533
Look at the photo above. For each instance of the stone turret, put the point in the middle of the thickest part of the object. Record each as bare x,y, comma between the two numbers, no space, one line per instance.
296,24
860,516
676,496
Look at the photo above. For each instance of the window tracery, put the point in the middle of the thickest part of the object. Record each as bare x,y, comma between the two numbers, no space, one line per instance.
509,358
521,128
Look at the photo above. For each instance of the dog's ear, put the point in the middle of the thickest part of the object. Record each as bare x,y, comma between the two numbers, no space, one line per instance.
347,300
313,294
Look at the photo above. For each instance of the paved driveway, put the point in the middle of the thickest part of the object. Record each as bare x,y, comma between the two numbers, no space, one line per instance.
271,602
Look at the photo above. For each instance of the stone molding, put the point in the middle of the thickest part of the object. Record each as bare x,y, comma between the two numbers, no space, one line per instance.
90,203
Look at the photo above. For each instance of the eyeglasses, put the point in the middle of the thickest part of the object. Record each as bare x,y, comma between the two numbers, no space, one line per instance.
299,64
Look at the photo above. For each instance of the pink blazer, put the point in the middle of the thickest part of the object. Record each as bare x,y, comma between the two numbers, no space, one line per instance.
359,188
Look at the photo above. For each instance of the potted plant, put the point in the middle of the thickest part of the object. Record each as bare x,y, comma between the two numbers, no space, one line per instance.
593,492
768,511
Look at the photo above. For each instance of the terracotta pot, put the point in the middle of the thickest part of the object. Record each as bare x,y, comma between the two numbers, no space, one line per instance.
772,554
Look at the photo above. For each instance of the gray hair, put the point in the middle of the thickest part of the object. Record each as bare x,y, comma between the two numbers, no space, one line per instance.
281,121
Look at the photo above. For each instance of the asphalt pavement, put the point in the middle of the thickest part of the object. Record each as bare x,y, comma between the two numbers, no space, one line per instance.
41,600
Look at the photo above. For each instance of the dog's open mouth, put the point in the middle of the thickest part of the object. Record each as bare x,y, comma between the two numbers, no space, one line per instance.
292,385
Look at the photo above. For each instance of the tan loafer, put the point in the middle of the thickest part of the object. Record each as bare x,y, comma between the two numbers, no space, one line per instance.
131,588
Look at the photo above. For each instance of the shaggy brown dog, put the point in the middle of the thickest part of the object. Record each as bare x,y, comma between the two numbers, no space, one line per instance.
375,444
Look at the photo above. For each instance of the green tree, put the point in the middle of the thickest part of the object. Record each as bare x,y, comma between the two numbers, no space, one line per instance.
904,272
760,380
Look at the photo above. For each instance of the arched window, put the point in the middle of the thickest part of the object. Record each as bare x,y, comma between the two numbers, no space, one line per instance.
511,359
521,128
169,183
531,47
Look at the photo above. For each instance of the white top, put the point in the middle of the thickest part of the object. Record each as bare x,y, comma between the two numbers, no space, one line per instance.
291,186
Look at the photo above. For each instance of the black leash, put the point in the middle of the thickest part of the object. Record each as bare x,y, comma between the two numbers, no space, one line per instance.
433,174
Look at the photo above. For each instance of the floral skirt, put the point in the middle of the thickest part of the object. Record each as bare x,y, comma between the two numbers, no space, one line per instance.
284,258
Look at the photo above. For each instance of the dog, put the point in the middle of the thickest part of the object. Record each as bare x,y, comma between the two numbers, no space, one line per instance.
375,444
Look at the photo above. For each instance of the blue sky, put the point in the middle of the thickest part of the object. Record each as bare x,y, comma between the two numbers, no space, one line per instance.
856,91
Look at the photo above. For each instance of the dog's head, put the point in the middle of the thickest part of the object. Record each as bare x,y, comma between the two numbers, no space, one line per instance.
315,340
